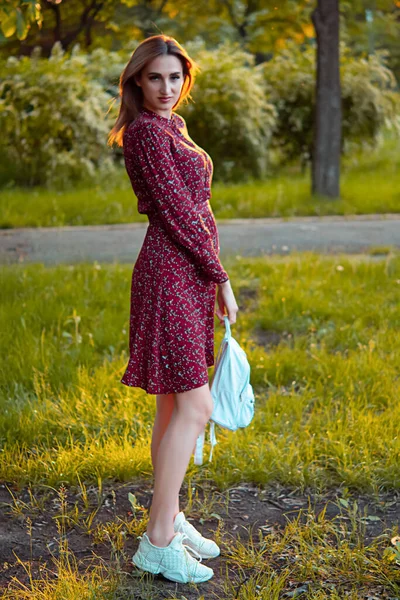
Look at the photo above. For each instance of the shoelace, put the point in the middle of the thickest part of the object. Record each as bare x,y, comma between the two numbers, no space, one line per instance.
196,555
193,551
188,526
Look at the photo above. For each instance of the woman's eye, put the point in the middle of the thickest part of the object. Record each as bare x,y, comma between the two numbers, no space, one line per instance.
156,77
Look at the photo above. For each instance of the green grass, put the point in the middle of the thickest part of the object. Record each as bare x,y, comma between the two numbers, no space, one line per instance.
370,183
322,336
327,408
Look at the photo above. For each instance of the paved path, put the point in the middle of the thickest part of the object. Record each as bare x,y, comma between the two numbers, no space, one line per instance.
248,237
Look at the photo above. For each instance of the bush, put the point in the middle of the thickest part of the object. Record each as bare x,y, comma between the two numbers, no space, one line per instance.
54,121
230,116
369,99
55,115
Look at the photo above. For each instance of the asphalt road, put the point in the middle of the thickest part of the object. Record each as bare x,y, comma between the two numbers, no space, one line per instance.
246,237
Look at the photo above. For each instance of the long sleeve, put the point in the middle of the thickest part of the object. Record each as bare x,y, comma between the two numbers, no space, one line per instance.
150,148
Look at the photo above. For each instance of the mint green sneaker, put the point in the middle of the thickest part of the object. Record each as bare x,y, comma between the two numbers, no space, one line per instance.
204,546
175,561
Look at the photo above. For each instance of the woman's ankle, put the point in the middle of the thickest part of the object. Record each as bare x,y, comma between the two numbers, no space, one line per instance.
160,540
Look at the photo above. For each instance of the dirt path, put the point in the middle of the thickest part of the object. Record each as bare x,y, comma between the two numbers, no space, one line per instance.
244,511
248,237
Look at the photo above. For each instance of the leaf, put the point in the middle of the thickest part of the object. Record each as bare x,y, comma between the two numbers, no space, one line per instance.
22,26
9,24
216,515
297,592
132,499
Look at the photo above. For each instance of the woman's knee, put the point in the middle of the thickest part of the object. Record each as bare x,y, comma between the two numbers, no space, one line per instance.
196,404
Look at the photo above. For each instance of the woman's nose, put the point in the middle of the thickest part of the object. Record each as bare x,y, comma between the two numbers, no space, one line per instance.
165,88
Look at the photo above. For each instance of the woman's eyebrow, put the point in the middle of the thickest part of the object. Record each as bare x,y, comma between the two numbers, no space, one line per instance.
154,73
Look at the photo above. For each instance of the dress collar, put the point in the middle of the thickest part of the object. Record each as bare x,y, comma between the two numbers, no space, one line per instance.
158,117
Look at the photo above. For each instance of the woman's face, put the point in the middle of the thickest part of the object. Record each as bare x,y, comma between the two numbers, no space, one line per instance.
161,77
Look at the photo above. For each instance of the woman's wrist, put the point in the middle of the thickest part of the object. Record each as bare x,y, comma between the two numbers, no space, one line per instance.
224,283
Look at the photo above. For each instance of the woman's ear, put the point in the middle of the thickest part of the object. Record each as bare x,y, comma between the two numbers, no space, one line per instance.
136,80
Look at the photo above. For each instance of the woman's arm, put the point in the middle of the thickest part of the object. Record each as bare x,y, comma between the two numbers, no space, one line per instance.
151,148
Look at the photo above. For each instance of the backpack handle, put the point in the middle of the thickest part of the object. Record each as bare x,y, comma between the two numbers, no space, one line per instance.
227,327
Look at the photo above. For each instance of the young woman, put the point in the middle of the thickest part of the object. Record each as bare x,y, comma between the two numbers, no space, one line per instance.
173,292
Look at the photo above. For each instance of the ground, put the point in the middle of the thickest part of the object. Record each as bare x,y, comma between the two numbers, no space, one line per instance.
29,531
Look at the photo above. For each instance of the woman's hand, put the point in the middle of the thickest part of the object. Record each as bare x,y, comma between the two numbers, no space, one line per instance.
226,302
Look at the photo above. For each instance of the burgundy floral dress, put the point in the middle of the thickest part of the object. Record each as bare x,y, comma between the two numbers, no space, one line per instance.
174,279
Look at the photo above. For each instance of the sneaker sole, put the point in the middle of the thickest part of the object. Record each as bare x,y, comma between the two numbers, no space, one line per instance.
146,565
209,555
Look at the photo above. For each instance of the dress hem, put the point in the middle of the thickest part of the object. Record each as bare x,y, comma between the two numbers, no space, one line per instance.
151,391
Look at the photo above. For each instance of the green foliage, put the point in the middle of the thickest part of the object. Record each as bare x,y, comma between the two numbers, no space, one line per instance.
372,25
369,99
103,66
53,121
230,117
16,17
56,113
54,116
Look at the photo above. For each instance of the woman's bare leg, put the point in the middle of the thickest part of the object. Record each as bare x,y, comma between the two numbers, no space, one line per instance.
190,413
165,404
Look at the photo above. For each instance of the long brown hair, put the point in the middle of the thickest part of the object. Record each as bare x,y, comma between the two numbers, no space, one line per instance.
132,95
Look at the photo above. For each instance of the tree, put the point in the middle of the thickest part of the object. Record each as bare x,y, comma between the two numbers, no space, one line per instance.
72,21
262,26
328,109
16,17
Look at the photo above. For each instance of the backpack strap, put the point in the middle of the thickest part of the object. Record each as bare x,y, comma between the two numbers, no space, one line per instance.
228,332
198,453
213,439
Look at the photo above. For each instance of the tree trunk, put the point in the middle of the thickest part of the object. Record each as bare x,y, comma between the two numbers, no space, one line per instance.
328,109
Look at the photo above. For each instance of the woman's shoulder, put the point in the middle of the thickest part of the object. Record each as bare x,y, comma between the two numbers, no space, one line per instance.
142,121
181,124
179,119
141,127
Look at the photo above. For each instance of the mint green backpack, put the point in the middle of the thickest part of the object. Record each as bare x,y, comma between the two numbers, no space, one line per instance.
231,391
